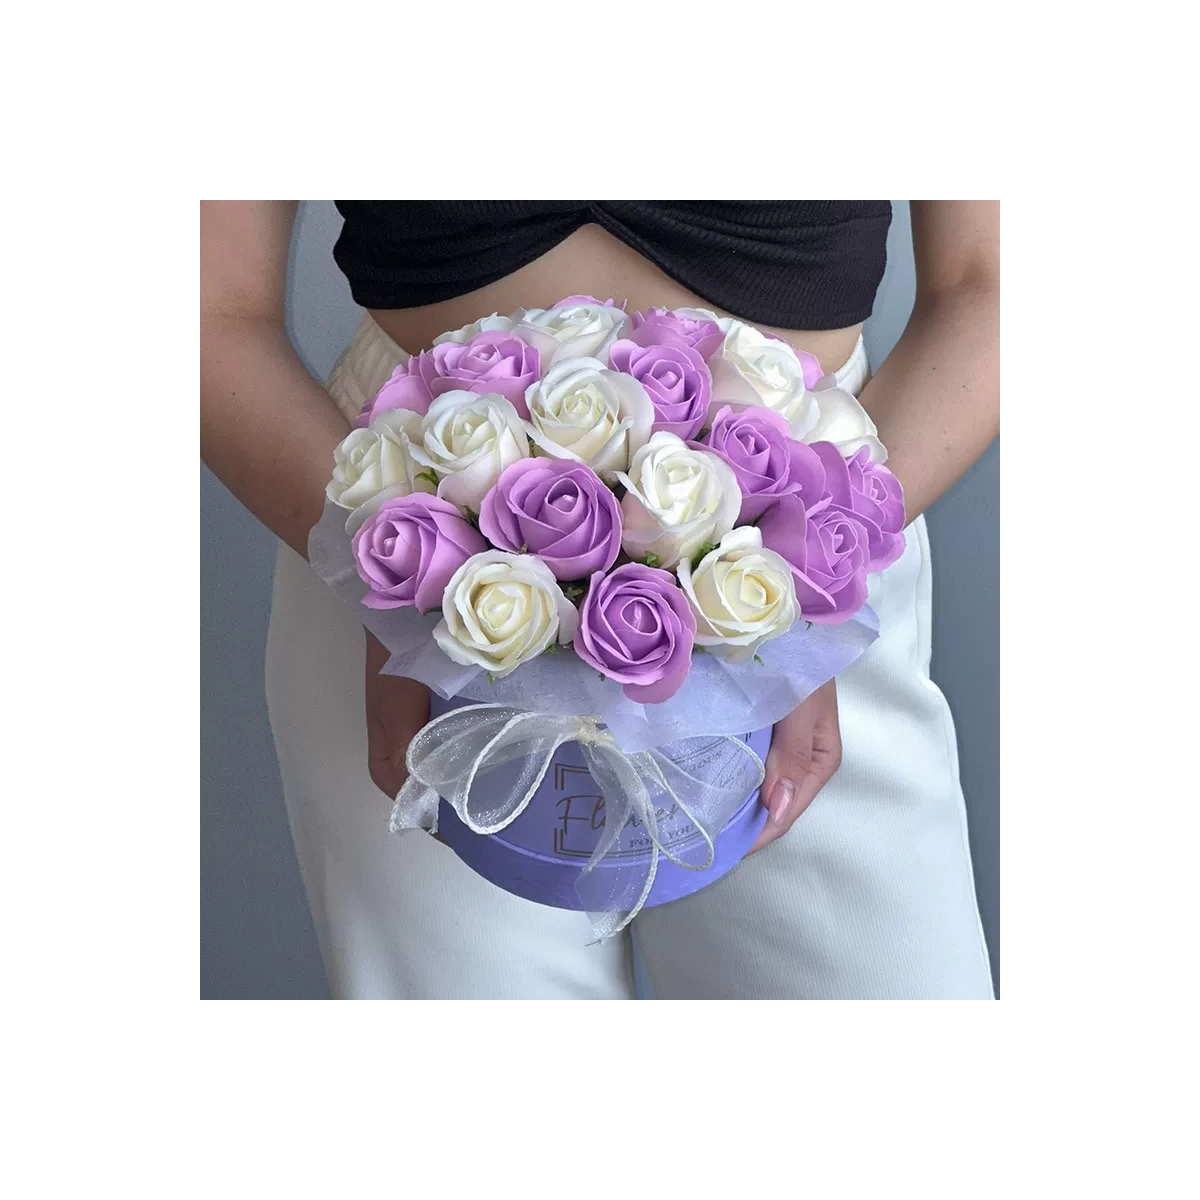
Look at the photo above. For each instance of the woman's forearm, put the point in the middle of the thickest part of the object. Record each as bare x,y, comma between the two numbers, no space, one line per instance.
267,428
936,399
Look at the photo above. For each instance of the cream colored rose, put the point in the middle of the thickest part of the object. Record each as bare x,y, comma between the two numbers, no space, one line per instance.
493,324
467,440
742,595
573,330
750,362
377,460
500,610
751,368
844,422
583,411
677,499
702,314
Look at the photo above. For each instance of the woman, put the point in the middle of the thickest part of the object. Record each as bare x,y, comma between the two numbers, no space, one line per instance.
870,895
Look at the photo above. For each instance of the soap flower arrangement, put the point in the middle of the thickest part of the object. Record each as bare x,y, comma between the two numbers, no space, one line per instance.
634,489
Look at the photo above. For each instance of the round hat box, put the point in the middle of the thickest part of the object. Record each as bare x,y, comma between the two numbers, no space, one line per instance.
541,854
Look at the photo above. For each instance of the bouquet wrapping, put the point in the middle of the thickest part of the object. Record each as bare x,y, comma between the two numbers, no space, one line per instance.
617,548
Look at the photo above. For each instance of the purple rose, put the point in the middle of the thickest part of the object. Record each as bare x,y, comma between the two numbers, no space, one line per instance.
827,551
409,547
872,495
559,510
402,390
675,378
637,627
766,459
662,327
489,362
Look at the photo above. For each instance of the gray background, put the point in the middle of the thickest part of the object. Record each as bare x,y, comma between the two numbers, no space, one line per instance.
257,939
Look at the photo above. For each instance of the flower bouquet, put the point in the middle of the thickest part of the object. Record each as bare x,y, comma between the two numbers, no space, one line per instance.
617,547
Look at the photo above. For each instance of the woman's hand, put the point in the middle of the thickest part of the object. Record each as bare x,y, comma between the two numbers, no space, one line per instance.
806,749
397,708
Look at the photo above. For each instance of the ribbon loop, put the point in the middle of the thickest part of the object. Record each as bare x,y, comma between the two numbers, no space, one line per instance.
707,779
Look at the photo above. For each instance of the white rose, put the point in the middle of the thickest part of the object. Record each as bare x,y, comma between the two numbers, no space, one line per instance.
751,368
493,324
843,421
500,610
467,440
377,460
703,314
677,499
583,411
742,595
573,330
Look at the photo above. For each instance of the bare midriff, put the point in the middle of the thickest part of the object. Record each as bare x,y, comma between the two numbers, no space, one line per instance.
589,262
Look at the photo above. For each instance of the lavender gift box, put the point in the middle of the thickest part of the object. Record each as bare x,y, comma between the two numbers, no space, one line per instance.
540,855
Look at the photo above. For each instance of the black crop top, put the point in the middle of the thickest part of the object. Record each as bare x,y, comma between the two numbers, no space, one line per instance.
796,264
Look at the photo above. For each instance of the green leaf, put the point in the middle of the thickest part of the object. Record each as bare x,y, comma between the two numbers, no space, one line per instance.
699,649
758,660
491,678
651,560
472,517
573,591
707,548
429,475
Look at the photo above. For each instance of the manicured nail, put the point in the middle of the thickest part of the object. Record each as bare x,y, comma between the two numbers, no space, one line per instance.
782,795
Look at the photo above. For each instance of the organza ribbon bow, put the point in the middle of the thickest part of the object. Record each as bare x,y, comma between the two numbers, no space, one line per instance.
707,779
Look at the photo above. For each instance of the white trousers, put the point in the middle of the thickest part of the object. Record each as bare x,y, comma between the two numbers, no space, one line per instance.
869,896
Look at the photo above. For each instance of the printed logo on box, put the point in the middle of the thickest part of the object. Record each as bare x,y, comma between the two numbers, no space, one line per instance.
581,819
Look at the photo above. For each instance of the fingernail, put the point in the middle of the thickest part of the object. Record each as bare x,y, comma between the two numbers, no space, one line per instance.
782,795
